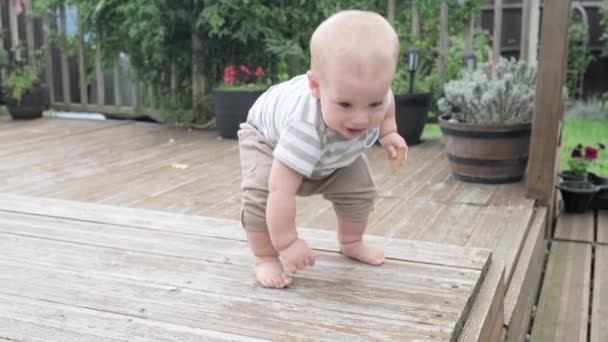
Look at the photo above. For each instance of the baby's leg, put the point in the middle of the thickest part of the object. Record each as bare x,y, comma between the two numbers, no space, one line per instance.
352,192
350,238
269,271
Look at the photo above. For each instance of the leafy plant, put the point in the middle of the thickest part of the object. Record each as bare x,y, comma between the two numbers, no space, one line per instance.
500,94
579,56
589,109
581,158
604,24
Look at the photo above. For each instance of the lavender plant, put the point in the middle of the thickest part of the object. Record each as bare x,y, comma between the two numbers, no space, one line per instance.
499,94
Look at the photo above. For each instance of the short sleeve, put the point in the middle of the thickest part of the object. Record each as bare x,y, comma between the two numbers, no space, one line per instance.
299,147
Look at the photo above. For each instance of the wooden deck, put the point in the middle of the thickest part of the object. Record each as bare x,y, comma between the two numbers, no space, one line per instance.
134,165
574,297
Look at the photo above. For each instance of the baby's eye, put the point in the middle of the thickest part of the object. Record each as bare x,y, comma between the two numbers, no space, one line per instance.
375,104
344,105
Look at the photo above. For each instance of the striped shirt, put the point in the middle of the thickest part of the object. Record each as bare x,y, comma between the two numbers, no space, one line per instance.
290,118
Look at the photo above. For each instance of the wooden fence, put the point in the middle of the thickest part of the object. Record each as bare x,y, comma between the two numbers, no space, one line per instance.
116,91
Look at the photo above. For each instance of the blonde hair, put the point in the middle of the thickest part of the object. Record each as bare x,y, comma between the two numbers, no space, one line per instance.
366,36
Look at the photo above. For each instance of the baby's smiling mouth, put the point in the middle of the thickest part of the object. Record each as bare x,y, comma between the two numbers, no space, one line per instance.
355,132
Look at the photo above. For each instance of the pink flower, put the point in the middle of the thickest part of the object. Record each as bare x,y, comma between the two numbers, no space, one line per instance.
245,70
259,72
590,153
230,74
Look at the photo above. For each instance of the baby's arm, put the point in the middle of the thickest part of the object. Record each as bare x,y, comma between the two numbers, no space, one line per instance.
280,216
389,138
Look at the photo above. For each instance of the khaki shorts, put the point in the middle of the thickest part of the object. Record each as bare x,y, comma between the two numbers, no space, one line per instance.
350,189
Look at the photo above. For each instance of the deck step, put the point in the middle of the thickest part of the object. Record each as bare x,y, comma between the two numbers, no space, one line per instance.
563,309
599,312
602,226
525,284
69,270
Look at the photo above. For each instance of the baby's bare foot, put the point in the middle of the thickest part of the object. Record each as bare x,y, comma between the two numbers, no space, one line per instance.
269,273
363,252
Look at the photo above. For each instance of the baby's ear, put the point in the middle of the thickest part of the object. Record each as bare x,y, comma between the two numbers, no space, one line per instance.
313,84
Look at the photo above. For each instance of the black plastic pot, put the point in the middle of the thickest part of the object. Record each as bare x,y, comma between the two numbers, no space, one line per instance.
31,106
600,201
411,113
570,176
577,195
231,108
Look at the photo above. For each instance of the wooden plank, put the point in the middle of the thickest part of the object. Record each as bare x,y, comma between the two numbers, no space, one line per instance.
101,94
497,31
563,308
548,107
65,70
575,227
486,313
525,283
415,21
525,30
533,31
602,226
235,313
418,251
599,307
390,12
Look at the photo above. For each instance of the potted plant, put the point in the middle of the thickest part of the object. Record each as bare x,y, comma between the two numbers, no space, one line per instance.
411,102
233,98
486,121
24,93
577,192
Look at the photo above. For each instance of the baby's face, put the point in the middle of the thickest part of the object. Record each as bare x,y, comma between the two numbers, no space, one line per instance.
351,102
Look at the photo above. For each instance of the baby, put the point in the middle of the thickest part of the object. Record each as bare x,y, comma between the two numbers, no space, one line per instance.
307,136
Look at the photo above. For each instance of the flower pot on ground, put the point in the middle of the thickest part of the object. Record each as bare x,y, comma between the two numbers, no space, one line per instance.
411,113
600,201
571,176
231,108
486,122
233,99
31,105
490,154
577,196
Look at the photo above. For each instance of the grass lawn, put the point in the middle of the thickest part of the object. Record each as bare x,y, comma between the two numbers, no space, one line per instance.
431,131
585,132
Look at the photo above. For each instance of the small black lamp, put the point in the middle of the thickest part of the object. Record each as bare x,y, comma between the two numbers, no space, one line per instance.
412,65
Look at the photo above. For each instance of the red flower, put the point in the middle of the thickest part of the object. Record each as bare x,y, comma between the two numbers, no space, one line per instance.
590,153
229,74
259,72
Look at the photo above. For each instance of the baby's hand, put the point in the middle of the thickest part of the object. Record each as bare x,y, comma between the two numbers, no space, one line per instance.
391,143
298,256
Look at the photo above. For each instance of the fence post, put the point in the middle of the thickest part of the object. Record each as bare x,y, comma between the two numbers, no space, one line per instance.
390,12
46,28
29,32
81,64
101,94
65,72
117,85
497,31
443,43
14,31
415,21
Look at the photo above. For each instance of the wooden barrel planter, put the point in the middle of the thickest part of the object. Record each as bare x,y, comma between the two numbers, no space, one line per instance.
411,113
491,154
231,108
